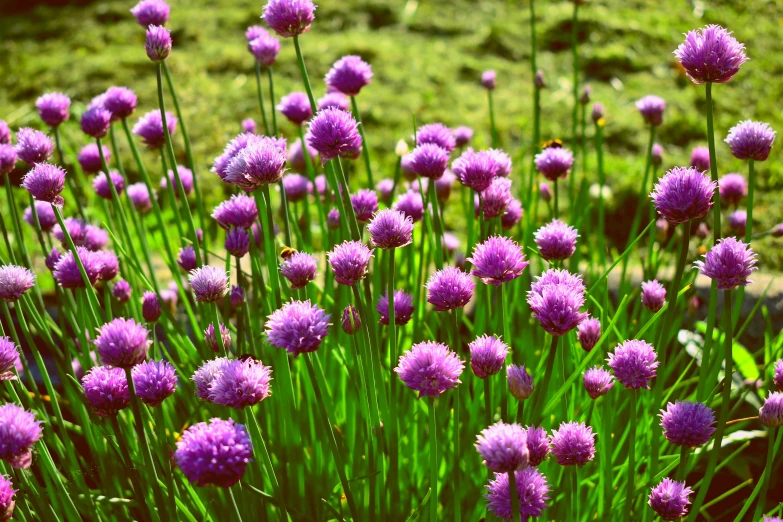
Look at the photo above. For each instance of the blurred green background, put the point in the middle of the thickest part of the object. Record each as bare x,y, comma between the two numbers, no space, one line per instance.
427,58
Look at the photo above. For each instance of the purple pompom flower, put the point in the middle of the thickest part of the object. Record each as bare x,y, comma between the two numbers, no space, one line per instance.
349,262
150,128
597,112
429,160
634,364
186,258
597,382
502,161
573,444
554,163
503,447
110,265
236,297
462,135
730,263
209,283
657,154
297,327
214,453
546,192
106,390
185,176
437,134
296,107
96,121
390,228
33,146
556,240
154,381
14,282
555,298
333,219
122,292
237,242
264,49
151,12
520,382
289,18
449,288
443,185
19,431
496,198
687,423
249,126
335,100
365,204
385,189
261,162
588,332
403,308
299,269
53,108
497,260
539,81
351,321
487,355
52,259
430,368
122,343
653,295
120,102
771,412
45,182
537,445
90,159
333,133
669,499
7,502
732,188
95,238
206,374
476,170
738,220
751,140
66,271
488,80
240,211
5,133
700,159
101,184
532,493
411,204
9,359
232,150
348,75
140,197
8,158
711,54
241,383
158,43
651,108
778,380
297,160
683,194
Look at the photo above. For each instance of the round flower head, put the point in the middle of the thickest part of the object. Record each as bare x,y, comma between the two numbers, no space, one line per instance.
751,140
186,258
502,160
732,188
5,133
45,182
249,126
260,163
151,12
700,159
385,189
101,184
96,121
429,160
209,283
651,108
150,307
53,108
122,292
265,49
289,18
683,194
169,296
443,185
52,259
33,146
240,211
778,380
241,383
253,32
711,54
90,159
532,494
657,154
497,260
150,128
554,162
702,232
597,112
351,321
365,204
539,81
321,185
584,98
487,355
296,157
333,133
296,107
9,359
687,423
110,265
588,332
236,296
403,308
95,238
449,288
503,447
771,412
730,263
211,340
669,499
348,75
738,220
158,43
300,268
120,102
496,198
555,299
411,204
597,382
488,80
122,343
349,262
298,327
66,271
106,390
14,282
476,170
634,364
7,158
333,219
556,240
140,197
653,295
154,381
335,100
18,432
437,134
237,242
206,375
537,445
546,192
232,149
462,135
573,444
391,228
520,383
430,368
185,176
214,453
7,502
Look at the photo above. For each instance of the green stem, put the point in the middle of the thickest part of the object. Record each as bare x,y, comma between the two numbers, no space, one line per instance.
488,401
234,503
265,210
493,130
216,325
135,478
438,225
270,76
557,201
305,77
642,198
751,187
365,145
393,355
258,438
512,493
599,146
768,469
541,393
433,464
631,470
682,469
575,65
77,194
713,164
261,98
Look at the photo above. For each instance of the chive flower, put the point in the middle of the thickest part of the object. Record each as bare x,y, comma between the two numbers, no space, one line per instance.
683,194
436,134
106,390
150,128
462,135
711,54
19,431
53,108
498,260
403,308
520,382
730,262
66,271
487,355
687,423
289,18
449,288
101,184
151,12
503,447
154,381
241,383
588,332
265,49
653,295
9,359
334,133
751,140
554,163
634,364
206,374
15,281
348,75
237,242
90,160
365,204
391,228
488,80
556,240
778,379
700,159
186,258
349,262
476,170
537,445
8,158
351,321
555,299
296,107
209,283
597,382
261,162
651,108
430,368
429,160
496,198
336,100
669,499
150,307
158,43
411,204
771,412
45,182
532,494
214,453
7,502
297,327
299,269
573,444
33,146
122,343
732,188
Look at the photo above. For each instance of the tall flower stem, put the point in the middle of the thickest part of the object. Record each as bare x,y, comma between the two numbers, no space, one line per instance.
270,76
265,210
631,470
512,493
78,195
767,470
393,356
575,66
541,393
487,400
216,325
261,98
493,130
456,342
682,469
311,175
536,107
599,150
160,426
305,77
365,146
433,438
135,478
748,232
437,224
258,439
353,225
713,165
637,217
556,200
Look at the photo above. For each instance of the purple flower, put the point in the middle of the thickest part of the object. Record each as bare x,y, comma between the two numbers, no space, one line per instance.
778,380
151,12
33,146
771,412
651,108
237,296
45,182
5,133
186,258
462,135
503,447
497,260
120,102
206,374
349,262
7,502
262,162
253,32
150,128
488,80
443,185
700,159
429,160
249,126
240,211
496,198
52,258
449,288
158,43
154,381
335,100
19,431
95,238
296,157
732,188
512,215
555,298
738,220
634,364
730,263
546,192
390,228
122,343
487,355
169,296
597,112
237,242
430,368
539,82
556,240
333,219
554,162
348,75
321,185
214,453
597,382
265,49
403,308
66,271
296,107
573,444
101,184
241,383
532,493
14,282
436,134
502,160
90,159
289,18
683,194
657,154
299,269
185,176
53,108
588,332
122,292
209,283
7,158
669,499
333,133
537,445
385,189
9,359
140,197
365,204
687,423
298,327
411,204
653,295
106,390
751,140
110,265
476,170
711,54
96,121
351,321
520,382
235,147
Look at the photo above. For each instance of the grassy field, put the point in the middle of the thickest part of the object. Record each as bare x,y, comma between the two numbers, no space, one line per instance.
427,59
